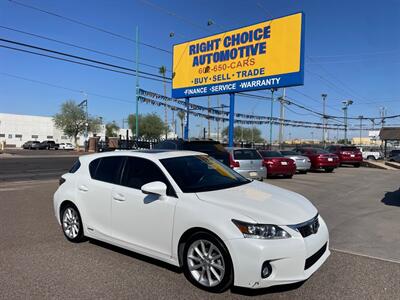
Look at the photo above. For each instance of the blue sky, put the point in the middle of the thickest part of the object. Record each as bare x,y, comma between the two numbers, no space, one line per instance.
352,51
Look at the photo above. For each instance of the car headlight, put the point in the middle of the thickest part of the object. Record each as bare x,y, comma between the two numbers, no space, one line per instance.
261,231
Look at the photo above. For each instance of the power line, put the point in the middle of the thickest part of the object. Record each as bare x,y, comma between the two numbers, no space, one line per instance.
77,46
88,26
76,62
173,14
79,57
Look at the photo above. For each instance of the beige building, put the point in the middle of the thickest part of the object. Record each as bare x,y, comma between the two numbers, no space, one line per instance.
15,130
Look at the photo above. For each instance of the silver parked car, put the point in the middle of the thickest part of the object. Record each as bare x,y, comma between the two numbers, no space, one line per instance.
247,162
303,163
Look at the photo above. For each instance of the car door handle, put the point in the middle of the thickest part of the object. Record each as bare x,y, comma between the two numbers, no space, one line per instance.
118,197
83,188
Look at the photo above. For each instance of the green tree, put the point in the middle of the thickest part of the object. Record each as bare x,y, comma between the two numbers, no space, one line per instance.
244,134
181,116
112,129
150,126
72,120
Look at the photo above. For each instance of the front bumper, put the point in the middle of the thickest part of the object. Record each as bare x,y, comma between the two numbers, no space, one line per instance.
287,258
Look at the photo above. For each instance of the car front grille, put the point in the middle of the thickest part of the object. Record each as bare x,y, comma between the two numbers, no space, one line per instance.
315,257
307,228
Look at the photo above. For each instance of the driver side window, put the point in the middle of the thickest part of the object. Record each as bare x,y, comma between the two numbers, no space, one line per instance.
139,171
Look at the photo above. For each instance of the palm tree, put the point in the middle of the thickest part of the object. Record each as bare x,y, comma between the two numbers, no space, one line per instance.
181,116
162,71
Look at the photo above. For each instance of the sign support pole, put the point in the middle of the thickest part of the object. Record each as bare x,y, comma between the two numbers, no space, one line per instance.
186,134
231,118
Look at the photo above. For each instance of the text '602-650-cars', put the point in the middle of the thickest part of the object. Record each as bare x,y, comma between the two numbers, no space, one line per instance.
192,211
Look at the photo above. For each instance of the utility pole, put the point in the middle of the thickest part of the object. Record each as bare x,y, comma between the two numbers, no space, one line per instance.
361,118
324,119
137,84
208,120
282,116
346,104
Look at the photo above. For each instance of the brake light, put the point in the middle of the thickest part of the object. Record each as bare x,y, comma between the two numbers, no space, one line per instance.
233,163
267,162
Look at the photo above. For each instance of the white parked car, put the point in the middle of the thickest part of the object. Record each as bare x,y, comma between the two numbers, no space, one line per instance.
187,209
66,146
371,154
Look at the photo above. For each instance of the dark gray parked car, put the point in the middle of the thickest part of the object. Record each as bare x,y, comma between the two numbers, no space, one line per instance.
31,145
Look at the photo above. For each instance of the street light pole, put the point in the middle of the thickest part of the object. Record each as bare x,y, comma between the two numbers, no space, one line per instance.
346,104
324,119
137,84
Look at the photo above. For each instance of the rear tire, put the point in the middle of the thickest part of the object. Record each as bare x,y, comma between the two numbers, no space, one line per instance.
207,263
328,170
371,157
71,223
303,172
357,165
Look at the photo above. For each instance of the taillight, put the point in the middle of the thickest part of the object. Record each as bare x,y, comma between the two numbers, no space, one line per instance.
233,163
267,162
61,181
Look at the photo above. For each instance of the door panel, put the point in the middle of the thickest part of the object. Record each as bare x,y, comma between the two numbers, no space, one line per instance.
141,219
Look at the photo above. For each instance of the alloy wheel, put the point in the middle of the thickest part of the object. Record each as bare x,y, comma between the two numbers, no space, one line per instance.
71,223
206,263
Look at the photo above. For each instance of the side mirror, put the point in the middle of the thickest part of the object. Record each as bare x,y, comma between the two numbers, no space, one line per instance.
155,188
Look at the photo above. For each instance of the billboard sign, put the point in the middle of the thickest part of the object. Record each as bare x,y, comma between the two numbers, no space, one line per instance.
260,56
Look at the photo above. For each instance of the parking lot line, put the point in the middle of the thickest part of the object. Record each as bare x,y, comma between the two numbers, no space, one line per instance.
364,255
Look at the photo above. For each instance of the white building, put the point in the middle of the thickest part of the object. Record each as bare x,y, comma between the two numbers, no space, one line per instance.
15,130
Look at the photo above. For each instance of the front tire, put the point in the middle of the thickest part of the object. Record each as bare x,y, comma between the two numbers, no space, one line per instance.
207,263
71,224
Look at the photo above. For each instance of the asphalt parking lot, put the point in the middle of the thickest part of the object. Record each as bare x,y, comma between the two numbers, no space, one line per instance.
361,207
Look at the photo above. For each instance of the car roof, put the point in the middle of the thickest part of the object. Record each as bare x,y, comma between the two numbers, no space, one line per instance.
149,154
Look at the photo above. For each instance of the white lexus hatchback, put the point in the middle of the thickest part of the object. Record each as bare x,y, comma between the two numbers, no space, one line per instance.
190,210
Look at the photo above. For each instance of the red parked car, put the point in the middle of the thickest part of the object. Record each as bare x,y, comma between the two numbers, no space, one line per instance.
277,164
349,155
320,159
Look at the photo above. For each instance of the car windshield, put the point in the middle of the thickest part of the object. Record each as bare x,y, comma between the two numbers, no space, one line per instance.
271,154
201,173
246,154
204,147
289,153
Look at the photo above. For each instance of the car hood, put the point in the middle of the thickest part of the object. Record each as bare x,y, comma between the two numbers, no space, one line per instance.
264,203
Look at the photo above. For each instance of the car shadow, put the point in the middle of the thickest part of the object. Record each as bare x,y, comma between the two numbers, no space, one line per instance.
392,198
135,255
264,291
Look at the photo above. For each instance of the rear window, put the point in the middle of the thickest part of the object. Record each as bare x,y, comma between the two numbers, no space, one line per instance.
270,154
109,169
289,153
246,154
348,148
75,167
